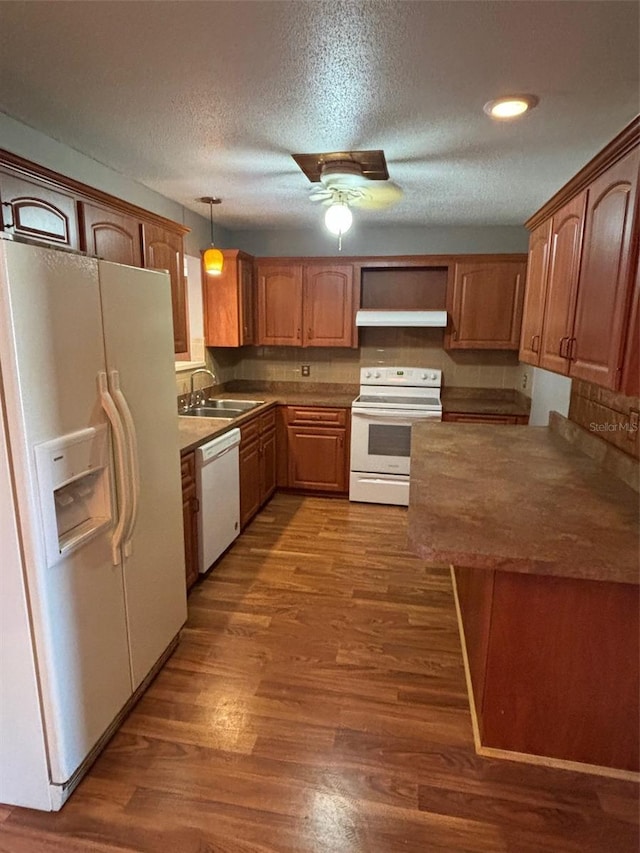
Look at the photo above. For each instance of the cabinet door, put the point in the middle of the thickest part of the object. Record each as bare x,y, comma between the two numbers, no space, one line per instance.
33,209
535,293
228,302
110,235
190,509
280,305
605,275
486,305
249,481
163,251
190,522
246,274
562,284
317,459
268,461
328,306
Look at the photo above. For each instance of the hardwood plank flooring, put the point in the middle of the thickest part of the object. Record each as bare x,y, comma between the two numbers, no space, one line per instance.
317,704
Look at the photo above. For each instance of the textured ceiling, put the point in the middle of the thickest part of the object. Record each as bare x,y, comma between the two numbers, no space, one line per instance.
199,98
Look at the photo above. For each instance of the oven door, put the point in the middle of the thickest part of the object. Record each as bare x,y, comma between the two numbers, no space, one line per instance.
381,439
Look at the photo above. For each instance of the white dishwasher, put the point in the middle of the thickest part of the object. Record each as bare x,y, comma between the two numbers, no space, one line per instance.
218,483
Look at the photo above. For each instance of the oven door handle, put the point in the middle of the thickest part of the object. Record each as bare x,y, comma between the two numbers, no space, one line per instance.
395,414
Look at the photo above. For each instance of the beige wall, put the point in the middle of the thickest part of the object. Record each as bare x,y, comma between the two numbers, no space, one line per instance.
399,347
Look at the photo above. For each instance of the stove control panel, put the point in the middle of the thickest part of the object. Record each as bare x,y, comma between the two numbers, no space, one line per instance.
410,377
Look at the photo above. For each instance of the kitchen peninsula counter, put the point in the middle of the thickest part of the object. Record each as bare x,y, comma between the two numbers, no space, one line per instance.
543,545
520,499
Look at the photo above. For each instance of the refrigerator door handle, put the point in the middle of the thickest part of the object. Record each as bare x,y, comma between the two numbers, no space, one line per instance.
120,453
132,452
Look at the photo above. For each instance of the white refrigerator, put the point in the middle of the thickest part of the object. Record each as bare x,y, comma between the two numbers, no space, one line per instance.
92,582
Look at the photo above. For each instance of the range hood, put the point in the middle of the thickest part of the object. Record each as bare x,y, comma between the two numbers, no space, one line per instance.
395,319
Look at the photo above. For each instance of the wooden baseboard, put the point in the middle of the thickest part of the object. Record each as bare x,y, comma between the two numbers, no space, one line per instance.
524,757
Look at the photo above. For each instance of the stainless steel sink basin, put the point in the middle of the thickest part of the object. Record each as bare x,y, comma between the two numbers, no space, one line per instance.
206,412
242,405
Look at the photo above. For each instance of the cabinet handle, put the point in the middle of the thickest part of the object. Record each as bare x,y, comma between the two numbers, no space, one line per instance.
564,353
571,349
455,334
11,224
195,505
298,336
535,343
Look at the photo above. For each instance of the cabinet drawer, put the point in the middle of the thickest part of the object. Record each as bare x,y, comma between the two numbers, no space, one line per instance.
268,421
188,468
250,431
315,416
464,418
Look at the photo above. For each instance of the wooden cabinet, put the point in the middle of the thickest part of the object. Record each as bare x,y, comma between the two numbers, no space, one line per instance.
40,211
582,262
484,303
535,293
317,449
602,305
280,304
327,304
110,235
190,509
485,418
305,304
229,302
162,250
562,284
58,211
257,464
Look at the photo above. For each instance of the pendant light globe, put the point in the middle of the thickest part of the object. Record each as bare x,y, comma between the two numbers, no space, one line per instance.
212,258
338,218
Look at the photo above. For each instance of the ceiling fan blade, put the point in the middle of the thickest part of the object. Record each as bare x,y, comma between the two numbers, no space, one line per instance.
377,195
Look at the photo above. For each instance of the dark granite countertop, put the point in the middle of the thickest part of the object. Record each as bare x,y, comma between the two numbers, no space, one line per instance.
519,499
485,401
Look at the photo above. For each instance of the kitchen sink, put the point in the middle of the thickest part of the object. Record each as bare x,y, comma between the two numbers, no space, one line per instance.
242,405
207,412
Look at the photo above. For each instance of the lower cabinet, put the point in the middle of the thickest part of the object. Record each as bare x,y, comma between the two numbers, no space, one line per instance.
257,464
475,418
190,509
317,449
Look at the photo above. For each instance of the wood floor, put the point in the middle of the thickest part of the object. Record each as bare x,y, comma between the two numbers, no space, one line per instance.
317,704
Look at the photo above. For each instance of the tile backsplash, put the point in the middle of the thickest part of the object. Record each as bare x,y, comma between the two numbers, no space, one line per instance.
607,414
403,347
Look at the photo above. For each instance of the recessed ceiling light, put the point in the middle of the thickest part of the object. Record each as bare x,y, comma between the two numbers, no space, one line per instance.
511,106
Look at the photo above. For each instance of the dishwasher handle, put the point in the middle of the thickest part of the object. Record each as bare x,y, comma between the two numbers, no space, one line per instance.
217,448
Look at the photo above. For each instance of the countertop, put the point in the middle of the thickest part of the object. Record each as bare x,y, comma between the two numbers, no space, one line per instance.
197,431
485,401
520,499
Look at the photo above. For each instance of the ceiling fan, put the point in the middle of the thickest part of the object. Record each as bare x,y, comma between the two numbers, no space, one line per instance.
347,179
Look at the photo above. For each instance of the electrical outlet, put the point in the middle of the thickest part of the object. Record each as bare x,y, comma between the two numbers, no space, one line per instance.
305,370
525,381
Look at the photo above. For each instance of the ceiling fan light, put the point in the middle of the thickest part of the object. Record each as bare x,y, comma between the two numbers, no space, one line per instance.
213,261
338,218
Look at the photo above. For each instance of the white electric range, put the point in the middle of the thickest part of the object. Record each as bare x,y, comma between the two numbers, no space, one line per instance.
391,399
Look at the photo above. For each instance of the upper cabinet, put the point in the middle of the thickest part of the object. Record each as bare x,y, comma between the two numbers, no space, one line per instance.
110,235
59,211
305,304
162,250
36,209
581,300
229,302
484,302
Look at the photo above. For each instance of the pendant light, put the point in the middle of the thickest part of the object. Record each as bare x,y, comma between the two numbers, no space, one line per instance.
212,259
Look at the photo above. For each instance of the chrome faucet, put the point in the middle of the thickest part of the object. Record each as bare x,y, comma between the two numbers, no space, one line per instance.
193,399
